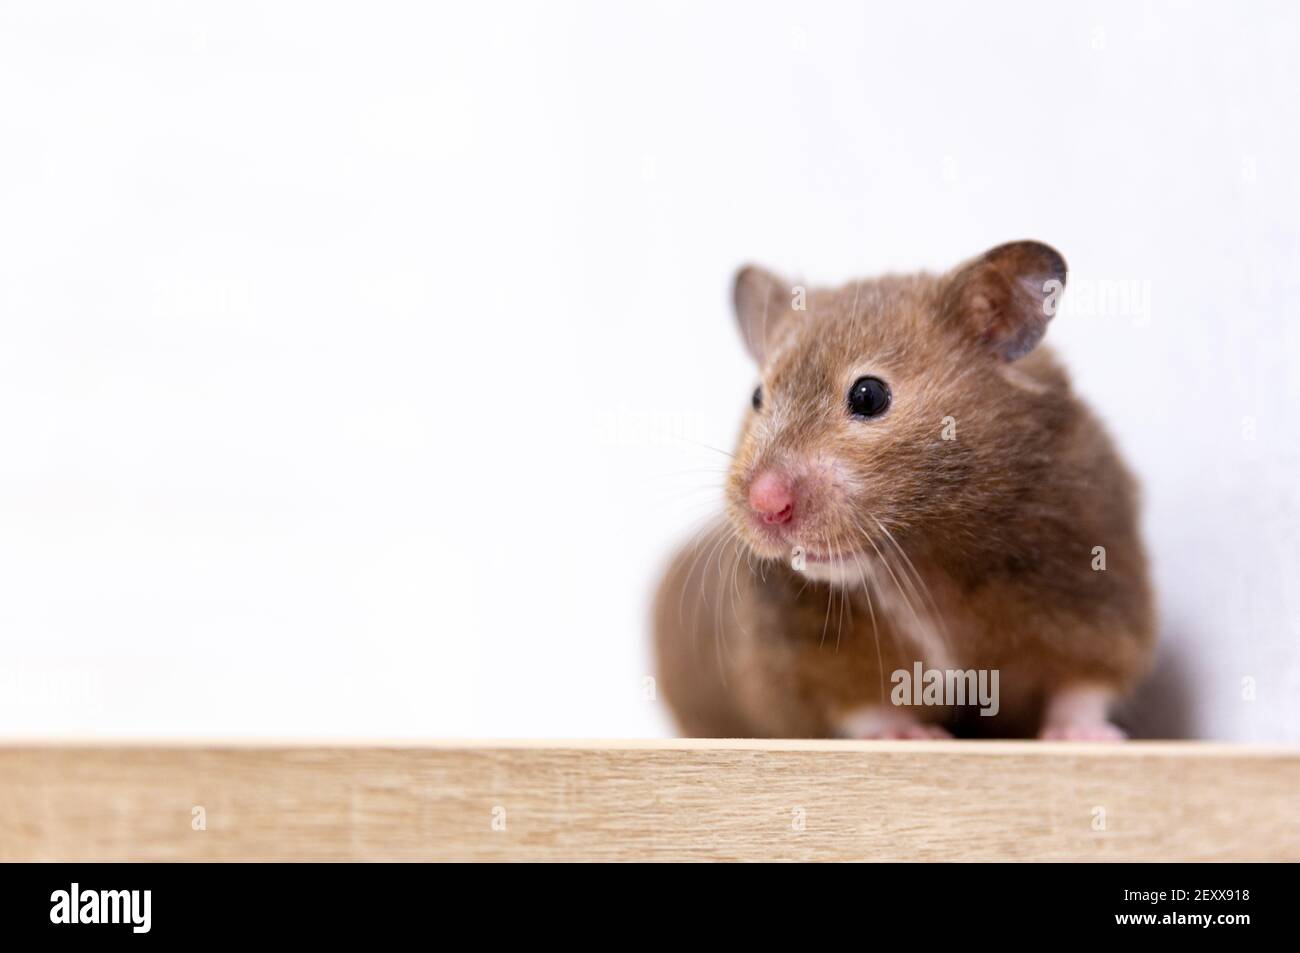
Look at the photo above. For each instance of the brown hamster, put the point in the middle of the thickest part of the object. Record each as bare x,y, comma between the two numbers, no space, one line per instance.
926,530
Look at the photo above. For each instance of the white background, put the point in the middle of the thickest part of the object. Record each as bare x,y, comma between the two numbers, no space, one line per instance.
355,359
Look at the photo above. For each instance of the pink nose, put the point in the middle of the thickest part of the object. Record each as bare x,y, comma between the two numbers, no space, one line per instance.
772,497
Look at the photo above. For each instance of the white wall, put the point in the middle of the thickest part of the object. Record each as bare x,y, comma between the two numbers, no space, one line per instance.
355,359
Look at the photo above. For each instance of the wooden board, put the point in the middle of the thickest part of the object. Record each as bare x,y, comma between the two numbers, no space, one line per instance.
659,800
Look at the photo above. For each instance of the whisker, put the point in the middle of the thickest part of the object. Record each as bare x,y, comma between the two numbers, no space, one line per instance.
726,453
924,593
830,591
880,662
925,633
719,631
720,647
844,598
690,574
898,586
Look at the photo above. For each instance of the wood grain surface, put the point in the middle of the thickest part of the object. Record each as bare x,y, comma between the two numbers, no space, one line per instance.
659,800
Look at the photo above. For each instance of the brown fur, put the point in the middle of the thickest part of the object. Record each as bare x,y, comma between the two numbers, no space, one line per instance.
985,541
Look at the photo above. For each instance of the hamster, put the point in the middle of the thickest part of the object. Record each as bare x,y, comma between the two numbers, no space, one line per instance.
926,531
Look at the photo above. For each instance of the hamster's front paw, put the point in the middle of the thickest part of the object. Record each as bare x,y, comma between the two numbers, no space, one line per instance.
1087,731
882,723
1078,713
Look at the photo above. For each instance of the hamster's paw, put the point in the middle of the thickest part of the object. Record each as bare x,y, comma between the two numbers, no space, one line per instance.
917,732
1086,731
1078,713
880,723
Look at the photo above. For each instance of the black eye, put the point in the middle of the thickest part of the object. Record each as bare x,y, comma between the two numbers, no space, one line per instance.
868,397
757,399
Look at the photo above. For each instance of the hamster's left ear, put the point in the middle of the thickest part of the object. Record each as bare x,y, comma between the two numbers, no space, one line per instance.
1006,296
762,302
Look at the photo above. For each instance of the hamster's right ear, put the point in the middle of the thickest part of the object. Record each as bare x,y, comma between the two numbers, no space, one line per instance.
761,300
1005,297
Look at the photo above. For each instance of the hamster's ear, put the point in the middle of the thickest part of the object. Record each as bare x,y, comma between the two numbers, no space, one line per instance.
761,301
1005,297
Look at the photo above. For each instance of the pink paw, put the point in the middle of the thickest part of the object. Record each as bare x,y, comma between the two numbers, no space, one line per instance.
909,733
886,724
1089,731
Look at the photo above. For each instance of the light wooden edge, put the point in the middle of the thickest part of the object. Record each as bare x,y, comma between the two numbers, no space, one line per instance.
1124,749
682,799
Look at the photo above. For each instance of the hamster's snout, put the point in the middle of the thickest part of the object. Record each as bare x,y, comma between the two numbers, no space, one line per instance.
772,498
791,500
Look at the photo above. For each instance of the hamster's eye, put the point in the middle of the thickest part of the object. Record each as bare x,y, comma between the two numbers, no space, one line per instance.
868,397
757,399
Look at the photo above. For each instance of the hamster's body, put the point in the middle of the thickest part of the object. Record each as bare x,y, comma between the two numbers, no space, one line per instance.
981,522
